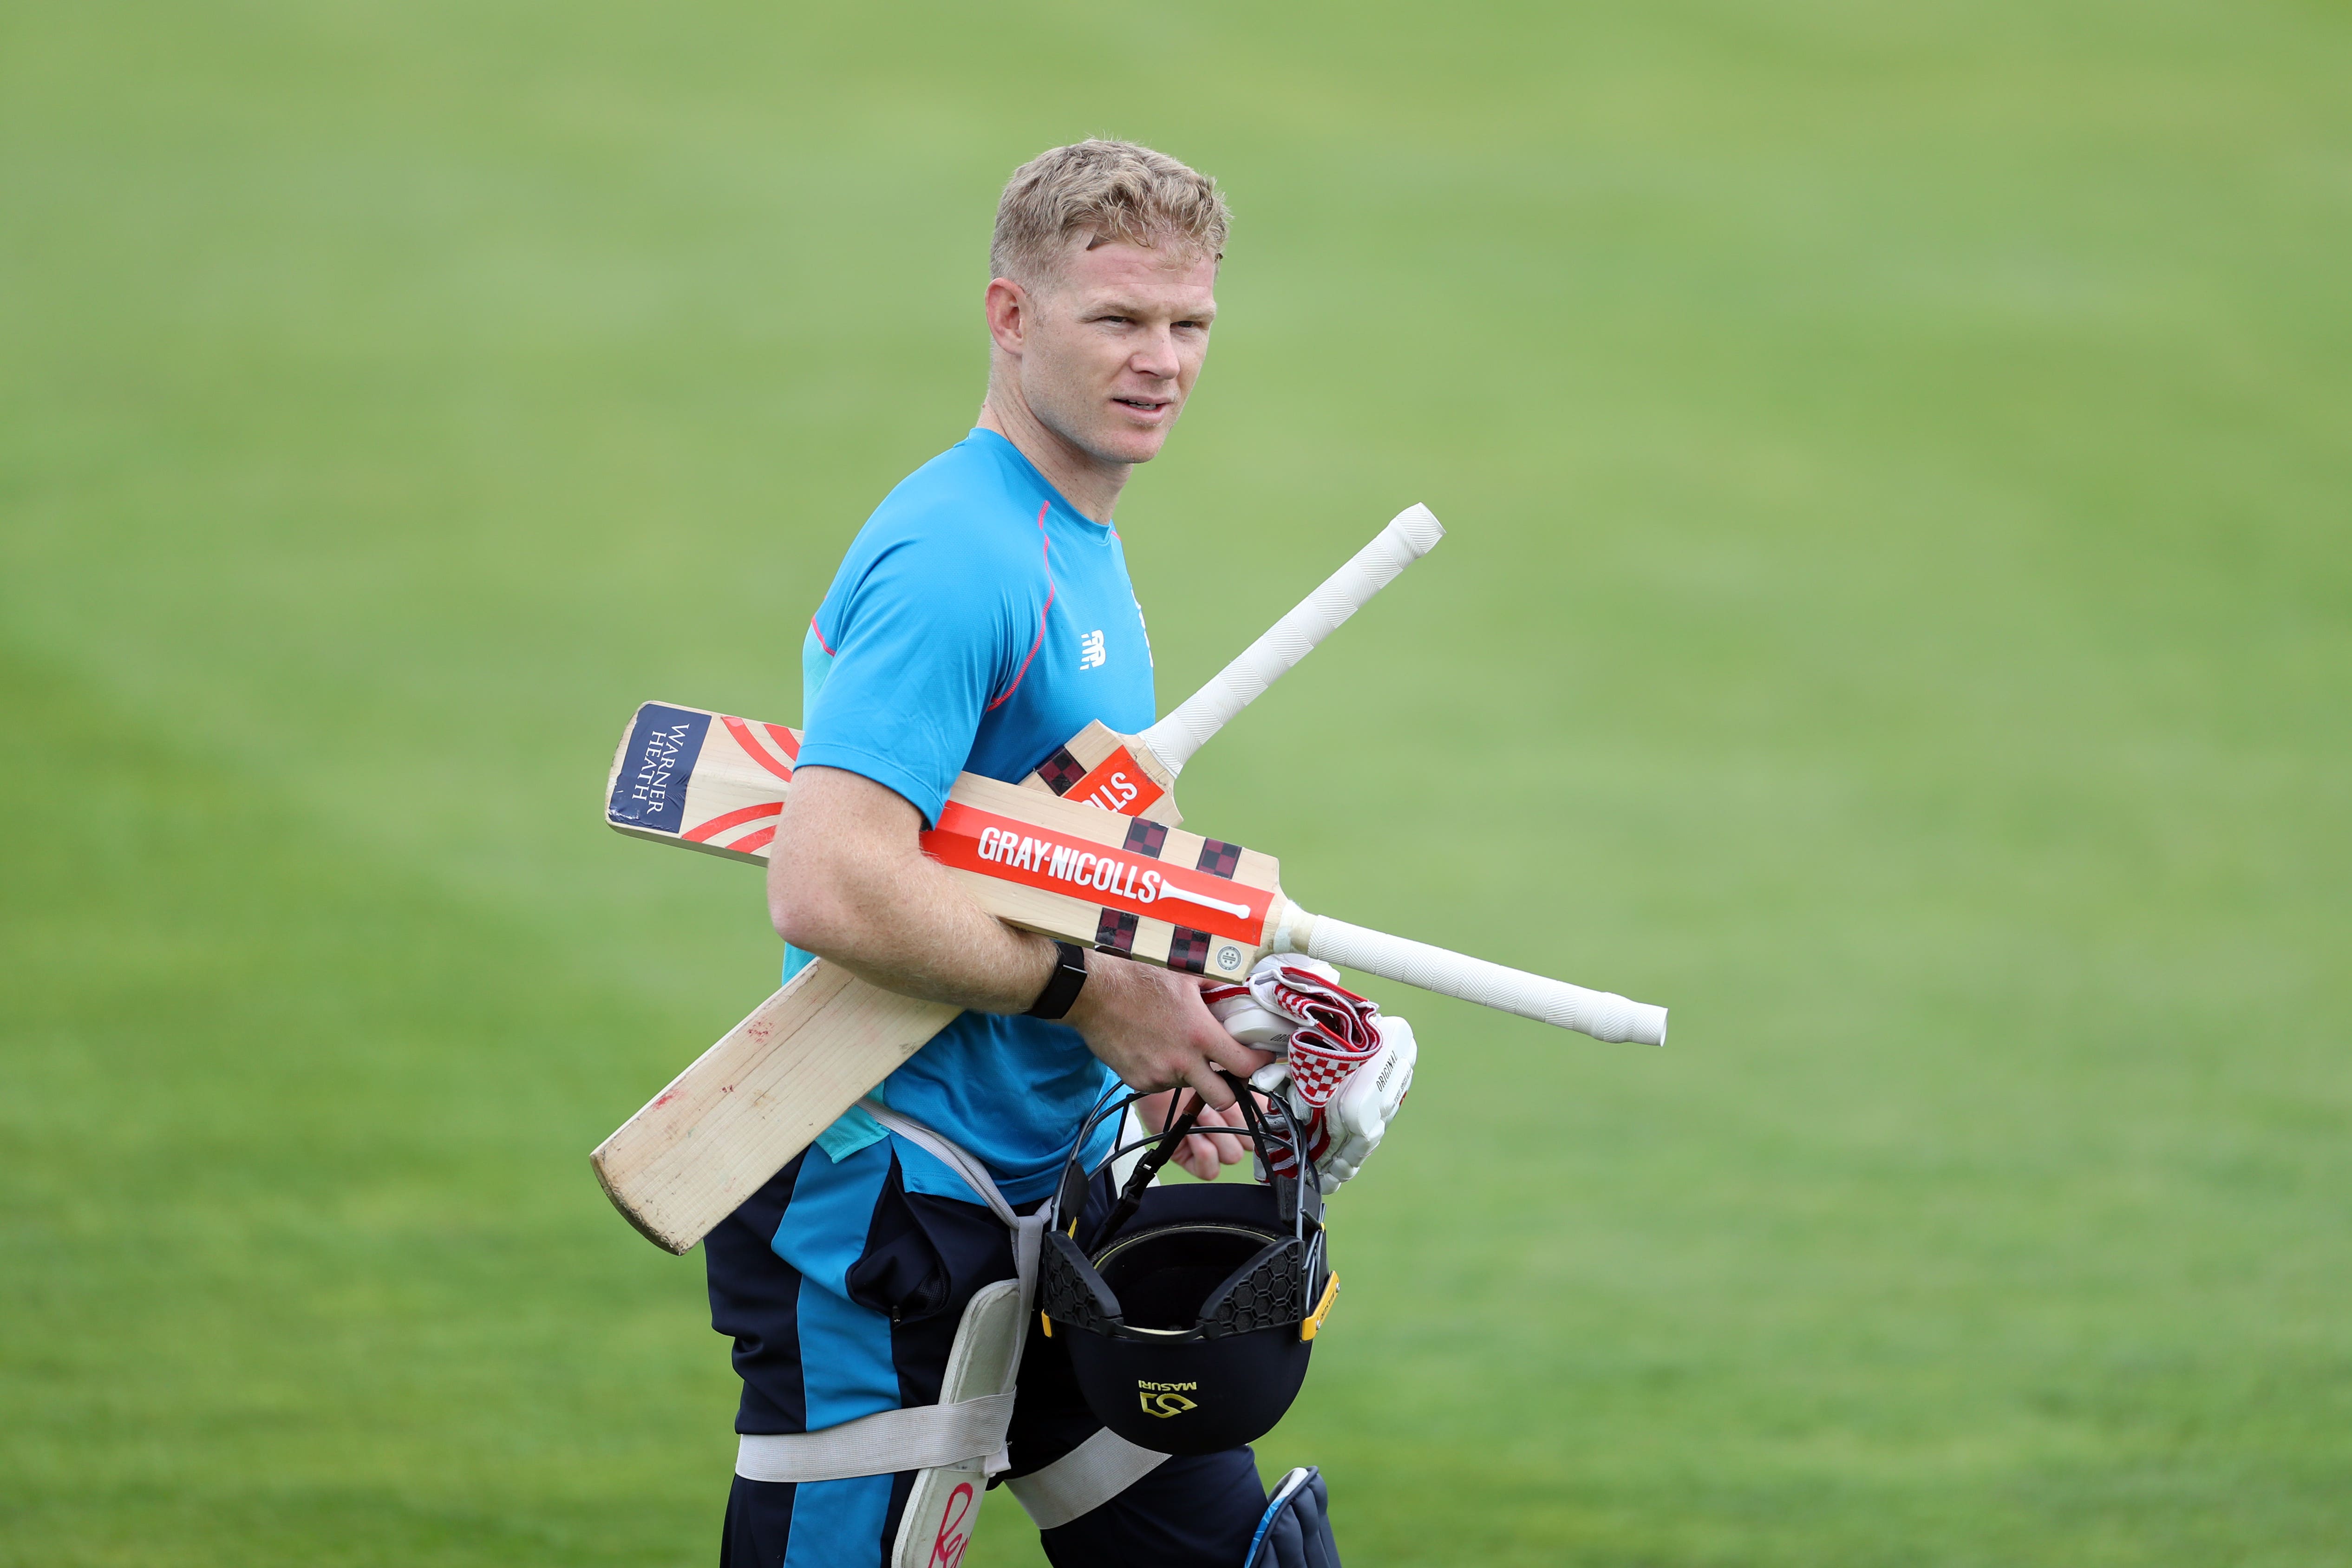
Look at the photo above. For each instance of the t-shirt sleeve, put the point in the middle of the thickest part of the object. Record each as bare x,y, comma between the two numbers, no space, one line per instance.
921,641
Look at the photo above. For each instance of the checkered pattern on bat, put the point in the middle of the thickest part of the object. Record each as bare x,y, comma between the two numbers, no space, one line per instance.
1218,857
1188,949
1115,933
1061,771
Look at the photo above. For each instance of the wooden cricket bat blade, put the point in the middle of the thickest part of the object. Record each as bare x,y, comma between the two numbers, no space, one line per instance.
700,780
759,1097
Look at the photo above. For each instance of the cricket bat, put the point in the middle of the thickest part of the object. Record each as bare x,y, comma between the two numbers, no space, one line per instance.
1140,889
716,782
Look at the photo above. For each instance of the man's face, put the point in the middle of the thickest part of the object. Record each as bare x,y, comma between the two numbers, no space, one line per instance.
1112,345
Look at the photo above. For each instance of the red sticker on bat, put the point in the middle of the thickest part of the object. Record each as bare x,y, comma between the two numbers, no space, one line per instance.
784,741
970,840
704,831
1117,785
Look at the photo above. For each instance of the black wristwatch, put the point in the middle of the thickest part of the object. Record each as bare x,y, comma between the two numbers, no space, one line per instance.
1069,979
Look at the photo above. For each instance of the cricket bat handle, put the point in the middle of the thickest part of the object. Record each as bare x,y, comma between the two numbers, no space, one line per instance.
1410,535
1602,1014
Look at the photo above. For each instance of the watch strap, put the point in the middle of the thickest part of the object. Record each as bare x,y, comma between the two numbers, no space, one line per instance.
1069,978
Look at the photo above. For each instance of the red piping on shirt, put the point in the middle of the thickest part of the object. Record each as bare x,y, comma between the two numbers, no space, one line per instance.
1041,614
820,636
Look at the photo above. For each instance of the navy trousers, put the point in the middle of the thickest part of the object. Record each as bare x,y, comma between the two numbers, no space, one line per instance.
842,1288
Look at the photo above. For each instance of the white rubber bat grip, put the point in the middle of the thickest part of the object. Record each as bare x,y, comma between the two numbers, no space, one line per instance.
1602,1014
1409,536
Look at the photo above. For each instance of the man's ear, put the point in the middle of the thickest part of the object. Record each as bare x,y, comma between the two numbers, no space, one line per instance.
1009,312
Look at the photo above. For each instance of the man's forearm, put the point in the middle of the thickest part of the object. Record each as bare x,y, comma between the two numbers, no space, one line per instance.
925,938
845,883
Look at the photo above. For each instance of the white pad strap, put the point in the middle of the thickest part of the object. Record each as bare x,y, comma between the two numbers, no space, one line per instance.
953,1155
926,1437
1083,1479
876,1445
968,1431
1028,1231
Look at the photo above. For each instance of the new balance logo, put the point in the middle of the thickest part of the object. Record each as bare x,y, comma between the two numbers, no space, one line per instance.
1090,652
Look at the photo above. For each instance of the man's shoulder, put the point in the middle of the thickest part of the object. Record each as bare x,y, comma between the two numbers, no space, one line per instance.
961,530
980,493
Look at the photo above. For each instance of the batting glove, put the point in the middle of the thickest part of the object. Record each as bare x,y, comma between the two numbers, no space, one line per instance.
1343,1070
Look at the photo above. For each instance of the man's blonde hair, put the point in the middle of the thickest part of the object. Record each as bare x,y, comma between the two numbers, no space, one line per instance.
1112,190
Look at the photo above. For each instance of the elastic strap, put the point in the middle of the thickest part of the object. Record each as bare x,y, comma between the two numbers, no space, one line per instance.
919,1438
1148,1170
1083,1479
950,1153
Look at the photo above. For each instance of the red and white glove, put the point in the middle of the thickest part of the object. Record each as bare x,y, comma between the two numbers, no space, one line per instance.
1358,1117
1345,1069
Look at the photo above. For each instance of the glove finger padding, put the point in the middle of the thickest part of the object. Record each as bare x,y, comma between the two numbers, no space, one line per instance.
1335,1033
1254,1026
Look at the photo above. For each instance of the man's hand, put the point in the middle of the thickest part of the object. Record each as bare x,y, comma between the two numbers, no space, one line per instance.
1153,1030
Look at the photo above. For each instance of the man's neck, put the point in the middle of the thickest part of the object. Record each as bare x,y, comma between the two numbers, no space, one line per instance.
1084,482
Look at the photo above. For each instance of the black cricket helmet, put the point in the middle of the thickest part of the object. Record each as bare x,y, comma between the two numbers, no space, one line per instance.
1190,1313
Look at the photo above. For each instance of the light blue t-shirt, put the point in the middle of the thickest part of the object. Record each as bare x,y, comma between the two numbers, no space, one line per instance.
978,622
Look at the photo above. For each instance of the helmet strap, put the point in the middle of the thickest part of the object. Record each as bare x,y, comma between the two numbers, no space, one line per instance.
1130,1197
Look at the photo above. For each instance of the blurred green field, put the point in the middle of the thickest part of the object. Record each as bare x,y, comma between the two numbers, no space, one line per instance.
1898,612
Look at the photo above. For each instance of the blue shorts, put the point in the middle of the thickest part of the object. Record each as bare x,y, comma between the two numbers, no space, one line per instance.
880,1319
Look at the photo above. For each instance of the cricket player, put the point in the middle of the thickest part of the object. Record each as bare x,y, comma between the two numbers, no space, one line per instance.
982,617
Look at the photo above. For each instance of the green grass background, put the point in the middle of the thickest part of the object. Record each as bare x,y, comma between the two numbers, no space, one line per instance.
1898,613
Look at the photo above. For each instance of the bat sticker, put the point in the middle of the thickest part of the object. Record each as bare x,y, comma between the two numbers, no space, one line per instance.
650,791
1188,949
1117,783
1007,849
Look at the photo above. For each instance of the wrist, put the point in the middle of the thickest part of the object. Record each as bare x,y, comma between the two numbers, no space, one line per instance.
1106,978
